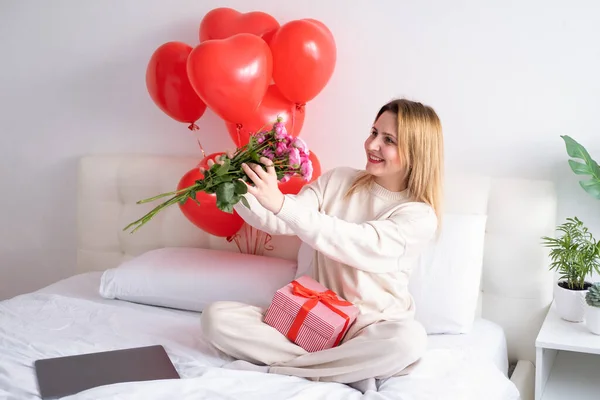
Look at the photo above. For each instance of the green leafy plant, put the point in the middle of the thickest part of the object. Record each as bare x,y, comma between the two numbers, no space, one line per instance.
575,254
592,297
587,167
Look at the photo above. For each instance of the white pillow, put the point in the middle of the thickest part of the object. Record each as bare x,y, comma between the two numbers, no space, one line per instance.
446,283
191,278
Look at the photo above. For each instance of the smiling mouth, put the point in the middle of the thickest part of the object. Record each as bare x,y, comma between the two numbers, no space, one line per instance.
374,160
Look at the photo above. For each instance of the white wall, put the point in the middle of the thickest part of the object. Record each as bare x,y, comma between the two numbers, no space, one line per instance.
506,77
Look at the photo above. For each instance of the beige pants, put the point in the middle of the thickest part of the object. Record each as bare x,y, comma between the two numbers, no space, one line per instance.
369,350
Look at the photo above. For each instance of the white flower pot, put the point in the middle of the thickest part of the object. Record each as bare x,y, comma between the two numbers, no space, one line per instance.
570,304
592,319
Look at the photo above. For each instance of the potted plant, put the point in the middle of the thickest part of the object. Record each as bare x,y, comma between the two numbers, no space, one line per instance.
592,312
574,255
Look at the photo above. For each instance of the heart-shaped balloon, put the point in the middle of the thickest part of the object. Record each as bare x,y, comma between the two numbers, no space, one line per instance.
274,105
224,22
231,75
304,58
207,215
168,84
204,162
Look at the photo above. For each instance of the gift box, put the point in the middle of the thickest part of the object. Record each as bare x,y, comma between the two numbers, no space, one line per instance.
310,315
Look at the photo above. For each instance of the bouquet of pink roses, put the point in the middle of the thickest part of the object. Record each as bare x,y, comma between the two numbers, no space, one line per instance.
228,181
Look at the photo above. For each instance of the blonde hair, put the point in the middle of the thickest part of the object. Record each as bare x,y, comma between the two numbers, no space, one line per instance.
421,147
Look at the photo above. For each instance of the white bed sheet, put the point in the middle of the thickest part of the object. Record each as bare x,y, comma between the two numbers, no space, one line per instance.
70,317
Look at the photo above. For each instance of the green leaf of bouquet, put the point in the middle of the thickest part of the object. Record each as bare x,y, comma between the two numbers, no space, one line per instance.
225,192
255,156
225,206
226,178
240,187
592,187
223,169
245,202
210,189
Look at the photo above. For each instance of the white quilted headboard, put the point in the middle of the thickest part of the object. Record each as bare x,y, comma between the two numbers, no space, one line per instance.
516,287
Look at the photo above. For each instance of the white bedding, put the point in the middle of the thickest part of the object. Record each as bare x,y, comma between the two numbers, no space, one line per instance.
70,317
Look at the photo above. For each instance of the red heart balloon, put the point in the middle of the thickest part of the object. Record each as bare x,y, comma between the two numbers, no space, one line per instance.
224,22
304,57
204,162
168,84
296,183
273,105
231,75
207,215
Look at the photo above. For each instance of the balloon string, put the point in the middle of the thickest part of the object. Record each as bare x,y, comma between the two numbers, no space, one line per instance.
201,148
261,238
300,108
238,127
256,242
293,120
248,233
235,238
268,239
194,128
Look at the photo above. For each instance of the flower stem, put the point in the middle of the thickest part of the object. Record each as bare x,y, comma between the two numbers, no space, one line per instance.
151,199
140,222
178,196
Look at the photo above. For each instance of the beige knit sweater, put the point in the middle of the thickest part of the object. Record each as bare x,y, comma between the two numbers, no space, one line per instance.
365,247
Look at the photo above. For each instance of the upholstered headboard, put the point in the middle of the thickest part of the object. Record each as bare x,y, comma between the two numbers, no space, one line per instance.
516,287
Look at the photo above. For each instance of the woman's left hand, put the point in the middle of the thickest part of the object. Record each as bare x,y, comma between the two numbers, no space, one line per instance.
266,189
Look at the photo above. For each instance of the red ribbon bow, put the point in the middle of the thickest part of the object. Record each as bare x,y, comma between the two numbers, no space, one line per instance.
328,298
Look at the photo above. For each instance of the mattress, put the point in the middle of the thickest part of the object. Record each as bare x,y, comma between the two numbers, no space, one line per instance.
70,317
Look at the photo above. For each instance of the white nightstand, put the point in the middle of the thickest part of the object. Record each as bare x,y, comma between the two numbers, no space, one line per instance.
567,360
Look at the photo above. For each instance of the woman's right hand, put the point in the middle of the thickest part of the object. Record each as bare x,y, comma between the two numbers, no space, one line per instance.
220,160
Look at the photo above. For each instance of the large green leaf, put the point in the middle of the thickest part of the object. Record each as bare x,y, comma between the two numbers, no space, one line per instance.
225,206
225,197
592,186
240,187
588,167
225,192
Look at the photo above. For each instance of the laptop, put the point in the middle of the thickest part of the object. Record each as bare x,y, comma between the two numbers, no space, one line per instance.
64,376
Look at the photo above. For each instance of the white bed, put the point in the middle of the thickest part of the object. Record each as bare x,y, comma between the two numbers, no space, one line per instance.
70,316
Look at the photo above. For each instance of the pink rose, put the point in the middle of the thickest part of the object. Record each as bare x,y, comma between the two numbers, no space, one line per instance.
268,153
300,145
261,137
306,169
295,160
281,149
304,157
280,131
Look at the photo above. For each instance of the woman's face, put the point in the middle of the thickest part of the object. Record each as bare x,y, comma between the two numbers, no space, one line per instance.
383,158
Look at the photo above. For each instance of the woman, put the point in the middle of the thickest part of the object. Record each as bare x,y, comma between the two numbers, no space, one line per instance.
367,229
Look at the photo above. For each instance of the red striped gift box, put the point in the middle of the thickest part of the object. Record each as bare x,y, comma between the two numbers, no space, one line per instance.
310,315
